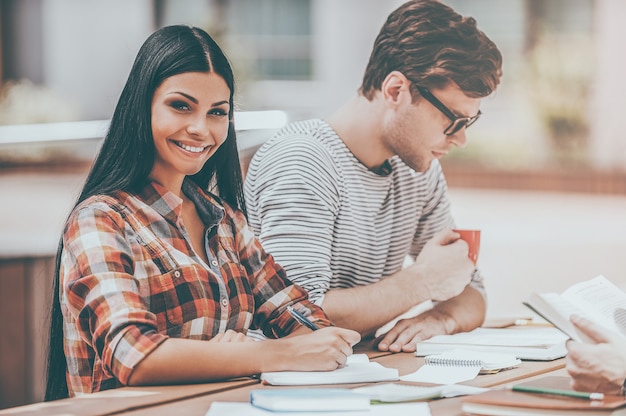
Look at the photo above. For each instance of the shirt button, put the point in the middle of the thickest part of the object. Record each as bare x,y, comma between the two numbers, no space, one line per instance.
214,262
224,302
177,273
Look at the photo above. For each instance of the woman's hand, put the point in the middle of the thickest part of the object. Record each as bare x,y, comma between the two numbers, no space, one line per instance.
322,350
599,367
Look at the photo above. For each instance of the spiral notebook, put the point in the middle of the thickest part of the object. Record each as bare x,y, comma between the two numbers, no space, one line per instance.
459,365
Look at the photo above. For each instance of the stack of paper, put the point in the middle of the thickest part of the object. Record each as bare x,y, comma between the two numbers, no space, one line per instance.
525,343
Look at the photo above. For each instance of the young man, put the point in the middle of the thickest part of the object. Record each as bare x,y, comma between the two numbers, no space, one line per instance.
342,203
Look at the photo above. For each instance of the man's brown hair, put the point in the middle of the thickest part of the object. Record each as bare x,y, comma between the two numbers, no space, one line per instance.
431,45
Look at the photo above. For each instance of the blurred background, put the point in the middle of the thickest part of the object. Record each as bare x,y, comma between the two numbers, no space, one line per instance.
543,174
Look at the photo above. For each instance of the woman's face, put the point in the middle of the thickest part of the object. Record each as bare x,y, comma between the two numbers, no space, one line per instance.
189,123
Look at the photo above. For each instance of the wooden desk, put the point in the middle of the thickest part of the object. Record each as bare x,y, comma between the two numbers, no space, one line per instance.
195,400
406,363
125,399
445,407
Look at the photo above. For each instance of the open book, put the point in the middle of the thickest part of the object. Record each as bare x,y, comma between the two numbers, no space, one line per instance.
358,369
597,299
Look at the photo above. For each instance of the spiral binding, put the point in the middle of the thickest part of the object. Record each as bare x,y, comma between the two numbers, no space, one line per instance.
449,362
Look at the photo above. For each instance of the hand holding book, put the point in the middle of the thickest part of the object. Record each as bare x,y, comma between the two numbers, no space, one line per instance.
593,314
597,299
599,366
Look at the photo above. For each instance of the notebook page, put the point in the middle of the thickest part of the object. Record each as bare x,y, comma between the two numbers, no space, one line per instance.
358,369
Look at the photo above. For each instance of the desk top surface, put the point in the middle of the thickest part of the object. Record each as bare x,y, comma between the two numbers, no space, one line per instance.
197,398
406,363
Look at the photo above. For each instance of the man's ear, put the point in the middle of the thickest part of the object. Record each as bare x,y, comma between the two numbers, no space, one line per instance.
395,88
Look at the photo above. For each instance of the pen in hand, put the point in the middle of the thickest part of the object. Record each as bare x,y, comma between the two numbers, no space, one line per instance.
302,319
558,392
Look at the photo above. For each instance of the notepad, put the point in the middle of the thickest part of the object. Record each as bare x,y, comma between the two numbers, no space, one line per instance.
459,365
489,362
358,369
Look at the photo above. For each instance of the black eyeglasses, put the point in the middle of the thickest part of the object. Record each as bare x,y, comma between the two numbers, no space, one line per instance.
457,122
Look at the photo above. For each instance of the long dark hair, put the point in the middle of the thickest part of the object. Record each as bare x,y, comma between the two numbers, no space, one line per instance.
126,157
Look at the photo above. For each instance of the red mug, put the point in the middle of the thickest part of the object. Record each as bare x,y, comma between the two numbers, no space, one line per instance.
472,238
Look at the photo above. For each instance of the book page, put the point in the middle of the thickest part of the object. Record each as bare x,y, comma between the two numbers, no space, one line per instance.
602,302
556,309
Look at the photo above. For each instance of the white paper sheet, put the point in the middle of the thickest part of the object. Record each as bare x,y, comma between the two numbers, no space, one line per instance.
443,374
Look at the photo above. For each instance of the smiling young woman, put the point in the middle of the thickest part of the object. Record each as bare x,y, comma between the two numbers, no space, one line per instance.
158,276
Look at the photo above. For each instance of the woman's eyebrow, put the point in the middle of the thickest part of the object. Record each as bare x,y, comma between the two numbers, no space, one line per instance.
187,96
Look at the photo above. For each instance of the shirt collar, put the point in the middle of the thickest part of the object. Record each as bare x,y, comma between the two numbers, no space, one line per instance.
169,205
209,207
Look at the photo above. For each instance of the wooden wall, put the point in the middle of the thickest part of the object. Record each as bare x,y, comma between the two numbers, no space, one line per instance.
26,284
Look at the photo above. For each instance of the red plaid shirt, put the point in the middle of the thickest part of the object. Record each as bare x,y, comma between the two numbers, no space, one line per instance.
130,279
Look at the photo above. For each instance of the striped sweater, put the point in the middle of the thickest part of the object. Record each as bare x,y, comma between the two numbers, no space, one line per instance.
333,223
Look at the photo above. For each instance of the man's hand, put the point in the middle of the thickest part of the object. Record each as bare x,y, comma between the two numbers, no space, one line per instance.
405,335
443,267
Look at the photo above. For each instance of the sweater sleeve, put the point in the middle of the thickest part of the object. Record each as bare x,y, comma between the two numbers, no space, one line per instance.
293,199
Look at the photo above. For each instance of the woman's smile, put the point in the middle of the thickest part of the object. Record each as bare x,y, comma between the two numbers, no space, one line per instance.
191,149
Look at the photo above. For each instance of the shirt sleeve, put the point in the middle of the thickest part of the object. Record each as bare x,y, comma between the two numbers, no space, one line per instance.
272,291
437,216
293,200
100,296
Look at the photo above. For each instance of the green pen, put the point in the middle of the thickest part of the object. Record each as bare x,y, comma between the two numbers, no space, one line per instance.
558,392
